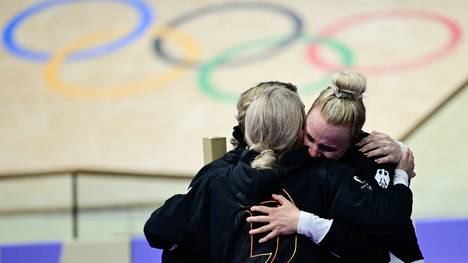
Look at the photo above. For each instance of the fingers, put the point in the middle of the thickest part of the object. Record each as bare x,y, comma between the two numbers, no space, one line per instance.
263,229
411,159
377,152
386,155
258,219
261,209
370,142
380,135
270,236
403,163
362,142
366,140
373,137
387,147
371,146
280,199
407,161
406,154
386,159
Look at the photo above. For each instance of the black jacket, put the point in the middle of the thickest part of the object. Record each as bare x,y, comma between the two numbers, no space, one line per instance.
209,221
388,221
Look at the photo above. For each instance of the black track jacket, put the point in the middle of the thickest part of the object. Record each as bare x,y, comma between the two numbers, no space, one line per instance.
209,224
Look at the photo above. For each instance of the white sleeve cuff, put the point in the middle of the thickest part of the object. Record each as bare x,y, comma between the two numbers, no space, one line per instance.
395,259
401,177
313,227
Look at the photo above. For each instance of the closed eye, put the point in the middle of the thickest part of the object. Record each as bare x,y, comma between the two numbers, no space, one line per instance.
309,138
322,147
326,148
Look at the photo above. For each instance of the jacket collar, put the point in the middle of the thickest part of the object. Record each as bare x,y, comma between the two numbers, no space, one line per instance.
261,183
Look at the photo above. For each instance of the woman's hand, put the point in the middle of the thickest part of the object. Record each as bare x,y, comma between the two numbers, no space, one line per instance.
281,220
380,144
407,163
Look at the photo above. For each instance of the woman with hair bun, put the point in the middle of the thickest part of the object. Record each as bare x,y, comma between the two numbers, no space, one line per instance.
333,130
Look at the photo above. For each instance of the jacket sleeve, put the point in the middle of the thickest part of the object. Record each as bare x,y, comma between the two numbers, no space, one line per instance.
355,202
342,240
353,245
180,220
376,221
363,219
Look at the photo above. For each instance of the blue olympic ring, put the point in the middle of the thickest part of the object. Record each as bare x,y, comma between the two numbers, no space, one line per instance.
146,18
273,50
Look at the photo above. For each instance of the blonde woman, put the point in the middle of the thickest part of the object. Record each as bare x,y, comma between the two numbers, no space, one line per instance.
333,128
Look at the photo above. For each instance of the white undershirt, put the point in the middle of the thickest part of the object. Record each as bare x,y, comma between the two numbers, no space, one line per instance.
313,227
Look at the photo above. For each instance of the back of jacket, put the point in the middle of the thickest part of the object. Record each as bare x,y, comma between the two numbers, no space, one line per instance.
303,181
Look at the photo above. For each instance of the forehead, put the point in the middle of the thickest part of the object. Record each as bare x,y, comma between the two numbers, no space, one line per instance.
324,132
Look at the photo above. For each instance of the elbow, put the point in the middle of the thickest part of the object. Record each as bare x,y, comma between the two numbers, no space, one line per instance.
151,235
147,230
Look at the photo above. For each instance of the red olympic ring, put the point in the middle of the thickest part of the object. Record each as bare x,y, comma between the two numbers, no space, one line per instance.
455,33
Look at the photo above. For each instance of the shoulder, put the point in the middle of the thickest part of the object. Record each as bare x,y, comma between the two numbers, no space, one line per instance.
366,168
329,171
358,160
228,160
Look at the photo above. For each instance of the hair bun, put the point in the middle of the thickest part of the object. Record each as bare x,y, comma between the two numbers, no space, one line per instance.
265,160
348,84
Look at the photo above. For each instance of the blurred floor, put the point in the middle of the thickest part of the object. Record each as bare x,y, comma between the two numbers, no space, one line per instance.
440,148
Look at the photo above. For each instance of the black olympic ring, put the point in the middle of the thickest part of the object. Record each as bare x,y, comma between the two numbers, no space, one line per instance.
273,50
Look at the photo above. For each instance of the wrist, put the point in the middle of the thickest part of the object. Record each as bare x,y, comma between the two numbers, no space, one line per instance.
312,226
401,177
301,224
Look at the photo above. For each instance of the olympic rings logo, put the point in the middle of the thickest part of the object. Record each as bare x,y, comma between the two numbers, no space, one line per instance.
454,33
263,48
144,11
204,77
52,68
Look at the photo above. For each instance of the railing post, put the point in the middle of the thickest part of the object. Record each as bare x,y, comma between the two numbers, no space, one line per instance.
74,177
213,148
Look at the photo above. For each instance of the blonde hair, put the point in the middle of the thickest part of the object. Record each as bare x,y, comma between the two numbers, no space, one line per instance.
341,103
246,98
273,123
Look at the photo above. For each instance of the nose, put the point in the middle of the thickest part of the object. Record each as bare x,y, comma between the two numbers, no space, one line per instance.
313,150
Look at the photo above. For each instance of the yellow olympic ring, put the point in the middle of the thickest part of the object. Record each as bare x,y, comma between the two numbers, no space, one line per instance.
51,72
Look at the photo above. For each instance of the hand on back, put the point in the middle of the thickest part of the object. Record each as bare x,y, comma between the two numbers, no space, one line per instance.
280,221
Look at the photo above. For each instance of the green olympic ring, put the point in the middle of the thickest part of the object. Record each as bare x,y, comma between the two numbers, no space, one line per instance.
204,74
